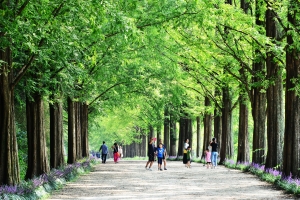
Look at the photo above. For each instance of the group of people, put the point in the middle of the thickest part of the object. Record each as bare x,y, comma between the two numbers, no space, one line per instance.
117,152
160,152
211,154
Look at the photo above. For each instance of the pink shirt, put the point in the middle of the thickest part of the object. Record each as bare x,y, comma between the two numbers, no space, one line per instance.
207,156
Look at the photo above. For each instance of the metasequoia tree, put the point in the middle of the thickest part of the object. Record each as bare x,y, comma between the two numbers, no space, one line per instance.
274,96
258,97
207,123
291,151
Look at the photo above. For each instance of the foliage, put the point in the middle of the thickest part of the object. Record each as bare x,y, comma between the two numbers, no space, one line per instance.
41,186
22,152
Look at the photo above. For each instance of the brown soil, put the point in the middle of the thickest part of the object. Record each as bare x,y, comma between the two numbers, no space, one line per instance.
130,180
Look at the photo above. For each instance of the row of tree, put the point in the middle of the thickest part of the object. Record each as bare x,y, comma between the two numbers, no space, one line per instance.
153,64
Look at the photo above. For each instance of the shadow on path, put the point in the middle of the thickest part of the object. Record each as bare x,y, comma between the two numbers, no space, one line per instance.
130,180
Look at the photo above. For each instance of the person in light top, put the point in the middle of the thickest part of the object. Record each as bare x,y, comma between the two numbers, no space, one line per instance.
208,158
185,147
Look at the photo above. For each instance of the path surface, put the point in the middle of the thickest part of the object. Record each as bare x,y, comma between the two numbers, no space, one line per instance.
130,180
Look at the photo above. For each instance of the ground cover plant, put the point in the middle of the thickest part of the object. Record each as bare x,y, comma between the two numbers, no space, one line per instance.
288,183
41,187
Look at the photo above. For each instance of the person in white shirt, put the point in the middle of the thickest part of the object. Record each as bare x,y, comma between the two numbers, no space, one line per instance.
185,147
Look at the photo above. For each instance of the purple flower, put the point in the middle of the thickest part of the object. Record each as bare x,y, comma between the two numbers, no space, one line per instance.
274,172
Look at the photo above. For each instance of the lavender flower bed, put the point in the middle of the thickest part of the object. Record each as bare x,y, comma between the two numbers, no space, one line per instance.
45,183
289,184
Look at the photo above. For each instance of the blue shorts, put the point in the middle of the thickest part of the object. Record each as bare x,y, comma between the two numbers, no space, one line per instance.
159,160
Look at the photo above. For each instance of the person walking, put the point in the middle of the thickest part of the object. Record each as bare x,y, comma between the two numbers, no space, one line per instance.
151,153
214,152
164,155
121,152
104,152
188,157
116,152
160,151
185,148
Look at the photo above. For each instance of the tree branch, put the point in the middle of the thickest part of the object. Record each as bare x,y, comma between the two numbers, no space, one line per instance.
100,95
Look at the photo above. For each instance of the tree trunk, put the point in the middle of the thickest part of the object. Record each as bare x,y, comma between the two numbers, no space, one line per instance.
37,155
182,136
172,150
56,135
274,100
207,127
226,151
158,133
144,145
151,131
84,130
243,135
198,150
258,98
291,150
71,132
167,129
189,132
78,108
218,124
9,162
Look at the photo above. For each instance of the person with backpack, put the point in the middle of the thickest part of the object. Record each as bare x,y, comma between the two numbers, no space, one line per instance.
104,149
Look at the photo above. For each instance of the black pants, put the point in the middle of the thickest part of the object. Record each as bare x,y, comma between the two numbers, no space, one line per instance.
104,158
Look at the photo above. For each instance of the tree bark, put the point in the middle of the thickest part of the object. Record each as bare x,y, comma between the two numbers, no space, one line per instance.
274,100
9,162
243,135
218,124
207,127
172,150
291,150
56,135
84,130
198,150
78,108
258,98
37,155
71,132
182,136
226,151
167,128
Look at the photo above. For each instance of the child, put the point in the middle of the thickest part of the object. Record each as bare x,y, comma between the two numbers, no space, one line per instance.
208,158
160,151
188,165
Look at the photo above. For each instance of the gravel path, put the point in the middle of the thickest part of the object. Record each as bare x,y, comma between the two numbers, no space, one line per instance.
130,180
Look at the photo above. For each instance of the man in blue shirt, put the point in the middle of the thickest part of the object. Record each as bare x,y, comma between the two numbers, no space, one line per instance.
104,152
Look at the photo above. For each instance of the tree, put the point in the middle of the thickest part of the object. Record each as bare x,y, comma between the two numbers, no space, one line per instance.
291,155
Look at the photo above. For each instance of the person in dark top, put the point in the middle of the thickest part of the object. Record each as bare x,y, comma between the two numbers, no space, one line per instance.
151,154
116,154
104,152
214,152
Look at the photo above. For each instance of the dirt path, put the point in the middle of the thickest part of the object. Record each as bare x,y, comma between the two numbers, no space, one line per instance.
130,180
